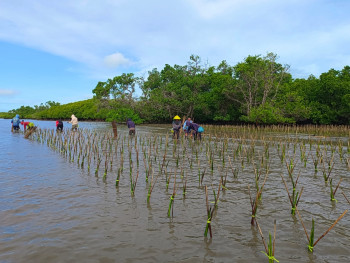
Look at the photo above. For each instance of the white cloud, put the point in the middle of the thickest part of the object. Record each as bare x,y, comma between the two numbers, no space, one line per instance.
7,92
115,60
155,32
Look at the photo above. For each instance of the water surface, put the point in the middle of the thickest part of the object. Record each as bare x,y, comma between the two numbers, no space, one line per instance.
51,210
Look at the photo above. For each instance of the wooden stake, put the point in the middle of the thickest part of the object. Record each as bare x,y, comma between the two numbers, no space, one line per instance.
262,237
329,229
345,197
307,235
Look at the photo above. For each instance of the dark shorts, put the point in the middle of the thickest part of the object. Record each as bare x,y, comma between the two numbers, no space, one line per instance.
60,126
132,131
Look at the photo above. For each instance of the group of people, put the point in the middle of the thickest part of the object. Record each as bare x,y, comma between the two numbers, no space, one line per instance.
73,121
189,127
30,125
26,124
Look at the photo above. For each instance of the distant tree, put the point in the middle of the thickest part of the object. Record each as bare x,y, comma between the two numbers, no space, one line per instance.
258,80
115,96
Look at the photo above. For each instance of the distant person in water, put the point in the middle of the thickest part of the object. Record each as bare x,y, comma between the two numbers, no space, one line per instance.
31,126
185,126
196,130
15,123
176,127
59,125
25,124
30,129
74,122
131,126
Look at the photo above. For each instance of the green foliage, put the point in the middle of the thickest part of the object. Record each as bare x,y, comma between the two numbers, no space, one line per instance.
257,90
6,115
122,115
120,87
258,80
90,110
266,114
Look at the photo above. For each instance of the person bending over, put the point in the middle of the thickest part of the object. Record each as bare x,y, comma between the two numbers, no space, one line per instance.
131,126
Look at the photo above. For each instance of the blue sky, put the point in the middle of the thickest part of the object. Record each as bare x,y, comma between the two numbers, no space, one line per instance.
59,50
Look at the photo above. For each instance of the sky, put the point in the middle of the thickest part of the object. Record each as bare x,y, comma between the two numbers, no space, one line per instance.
58,50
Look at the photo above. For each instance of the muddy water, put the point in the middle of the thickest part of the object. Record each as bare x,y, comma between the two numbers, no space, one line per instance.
53,211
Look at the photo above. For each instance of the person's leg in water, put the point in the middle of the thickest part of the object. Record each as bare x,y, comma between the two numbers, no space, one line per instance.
177,134
195,135
60,127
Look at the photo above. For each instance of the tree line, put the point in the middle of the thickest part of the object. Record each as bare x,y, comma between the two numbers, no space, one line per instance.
257,90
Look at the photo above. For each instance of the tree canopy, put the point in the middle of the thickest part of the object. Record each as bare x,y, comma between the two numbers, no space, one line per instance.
257,90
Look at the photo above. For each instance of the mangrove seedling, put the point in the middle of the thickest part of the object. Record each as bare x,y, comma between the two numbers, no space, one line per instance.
210,213
331,188
270,248
310,239
171,204
295,198
254,203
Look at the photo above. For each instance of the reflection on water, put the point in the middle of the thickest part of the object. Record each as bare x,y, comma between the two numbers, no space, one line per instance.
51,210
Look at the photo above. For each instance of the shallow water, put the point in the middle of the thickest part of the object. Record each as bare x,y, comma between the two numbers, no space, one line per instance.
51,210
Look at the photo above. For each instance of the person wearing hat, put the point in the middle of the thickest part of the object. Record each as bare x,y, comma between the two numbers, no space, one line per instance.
15,123
176,127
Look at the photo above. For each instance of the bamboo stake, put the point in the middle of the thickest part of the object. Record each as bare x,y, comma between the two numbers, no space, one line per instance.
329,229
301,221
345,197
262,236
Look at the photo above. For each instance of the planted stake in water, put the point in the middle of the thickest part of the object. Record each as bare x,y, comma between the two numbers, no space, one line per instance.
346,197
254,203
270,248
171,204
210,212
295,198
310,239
329,229
331,189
